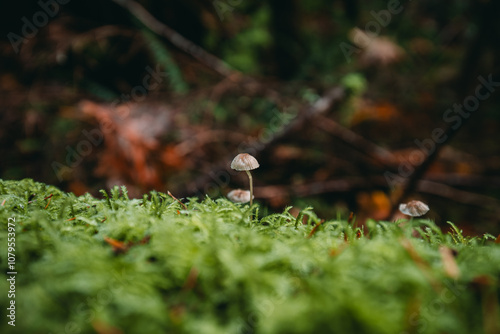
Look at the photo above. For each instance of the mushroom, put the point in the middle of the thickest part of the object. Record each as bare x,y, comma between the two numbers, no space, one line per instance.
239,196
414,208
245,162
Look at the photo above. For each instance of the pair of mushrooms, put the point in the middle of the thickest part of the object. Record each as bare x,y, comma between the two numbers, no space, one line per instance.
246,162
243,162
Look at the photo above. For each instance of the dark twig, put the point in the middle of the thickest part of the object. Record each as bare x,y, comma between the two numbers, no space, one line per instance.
314,229
230,75
411,183
325,103
380,154
321,106
459,196
348,185
177,39
175,198
314,188
50,199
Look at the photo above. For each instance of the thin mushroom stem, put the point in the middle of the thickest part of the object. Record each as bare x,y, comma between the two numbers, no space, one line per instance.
251,186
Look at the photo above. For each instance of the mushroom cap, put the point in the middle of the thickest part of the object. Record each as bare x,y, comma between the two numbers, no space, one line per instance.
244,161
414,208
239,196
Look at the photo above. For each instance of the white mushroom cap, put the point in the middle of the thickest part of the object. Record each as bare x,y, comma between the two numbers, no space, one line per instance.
239,196
244,161
414,208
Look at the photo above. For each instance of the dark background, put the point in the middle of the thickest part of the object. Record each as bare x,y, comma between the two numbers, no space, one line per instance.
76,113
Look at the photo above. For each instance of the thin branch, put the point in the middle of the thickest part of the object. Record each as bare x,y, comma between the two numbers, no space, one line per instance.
177,39
321,106
356,184
316,188
176,199
421,169
325,103
378,153
197,52
461,180
459,196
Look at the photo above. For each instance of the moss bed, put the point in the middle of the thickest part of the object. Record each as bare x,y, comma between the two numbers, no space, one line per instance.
155,265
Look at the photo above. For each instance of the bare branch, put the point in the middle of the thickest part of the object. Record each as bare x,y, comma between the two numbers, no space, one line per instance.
356,184
177,39
378,153
326,102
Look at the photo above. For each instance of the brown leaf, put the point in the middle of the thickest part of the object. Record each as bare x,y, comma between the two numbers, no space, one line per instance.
130,146
171,158
376,50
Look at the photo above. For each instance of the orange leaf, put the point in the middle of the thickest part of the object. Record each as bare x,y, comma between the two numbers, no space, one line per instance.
118,246
171,157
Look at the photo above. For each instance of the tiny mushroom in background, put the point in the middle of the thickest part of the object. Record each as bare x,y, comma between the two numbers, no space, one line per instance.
239,196
414,208
246,162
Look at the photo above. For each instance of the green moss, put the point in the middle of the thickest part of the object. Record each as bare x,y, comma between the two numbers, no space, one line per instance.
219,268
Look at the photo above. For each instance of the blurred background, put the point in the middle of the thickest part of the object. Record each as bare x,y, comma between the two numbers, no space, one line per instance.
349,106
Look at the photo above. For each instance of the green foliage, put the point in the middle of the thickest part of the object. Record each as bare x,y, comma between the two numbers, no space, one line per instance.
217,267
354,82
161,55
244,50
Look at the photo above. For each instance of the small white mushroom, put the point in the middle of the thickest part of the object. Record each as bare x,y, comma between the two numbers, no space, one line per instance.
414,208
245,162
239,196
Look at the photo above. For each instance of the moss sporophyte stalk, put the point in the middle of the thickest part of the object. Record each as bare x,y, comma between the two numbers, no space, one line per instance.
159,264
